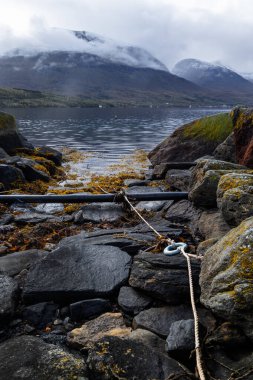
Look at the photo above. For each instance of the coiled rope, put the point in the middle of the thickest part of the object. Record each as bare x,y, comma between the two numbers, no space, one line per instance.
180,248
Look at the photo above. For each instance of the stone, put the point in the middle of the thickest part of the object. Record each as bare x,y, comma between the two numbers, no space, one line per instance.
40,314
159,320
237,205
114,357
10,137
89,308
8,296
28,357
212,225
9,175
6,219
232,181
136,182
34,218
226,150
32,170
76,272
181,336
163,277
14,263
85,336
50,154
205,245
178,179
191,141
143,190
243,134
150,206
228,336
226,277
184,212
50,208
3,154
133,302
99,213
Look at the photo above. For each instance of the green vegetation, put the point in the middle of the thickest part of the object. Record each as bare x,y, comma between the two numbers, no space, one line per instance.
211,128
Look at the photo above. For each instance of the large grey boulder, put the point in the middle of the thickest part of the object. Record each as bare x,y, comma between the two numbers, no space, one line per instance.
8,296
10,176
178,179
212,225
163,277
181,336
232,180
77,272
14,263
226,277
226,150
29,358
237,204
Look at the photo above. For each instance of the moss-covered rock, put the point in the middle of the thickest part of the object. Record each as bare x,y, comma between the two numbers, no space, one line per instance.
231,181
193,140
226,277
10,137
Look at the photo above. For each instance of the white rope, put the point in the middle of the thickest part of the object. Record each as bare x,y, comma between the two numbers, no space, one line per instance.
196,318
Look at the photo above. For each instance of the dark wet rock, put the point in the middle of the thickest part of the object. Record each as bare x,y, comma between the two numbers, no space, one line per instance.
226,277
163,277
133,302
3,154
116,356
49,153
181,336
8,296
136,182
158,320
14,263
160,170
178,179
212,225
89,308
40,314
7,228
226,335
34,218
10,176
6,219
226,150
100,212
143,190
31,170
77,272
243,134
152,206
28,357
10,137
90,332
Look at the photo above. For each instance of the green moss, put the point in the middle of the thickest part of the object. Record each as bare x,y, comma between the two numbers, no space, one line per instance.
211,128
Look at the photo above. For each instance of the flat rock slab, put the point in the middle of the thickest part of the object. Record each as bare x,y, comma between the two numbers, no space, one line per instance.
159,320
29,358
152,206
133,356
77,272
100,212
8,296
14,263
131,301
89,308
163,277
143,190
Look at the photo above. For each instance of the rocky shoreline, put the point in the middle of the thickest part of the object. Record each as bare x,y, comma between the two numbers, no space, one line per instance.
91,295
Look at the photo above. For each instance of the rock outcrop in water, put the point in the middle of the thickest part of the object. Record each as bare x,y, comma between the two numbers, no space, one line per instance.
110,295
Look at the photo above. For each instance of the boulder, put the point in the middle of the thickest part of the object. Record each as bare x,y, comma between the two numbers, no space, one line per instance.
205,245
212,225
49,153
226,277
32,170
237,204
10,137
40,314
159,320
227,336
3,155
150,206
163,277
181,336
89,308
232,180
90,332
28,357
8,296
137,355
226,150
99,213
10,175
195,140
243,134
50,208
34,218
178,179
77,272
133,302
143,189
14,263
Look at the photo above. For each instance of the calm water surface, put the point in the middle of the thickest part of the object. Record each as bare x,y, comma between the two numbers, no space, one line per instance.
110,132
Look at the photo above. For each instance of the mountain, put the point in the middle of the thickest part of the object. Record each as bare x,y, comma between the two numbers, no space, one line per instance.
212,76
247,76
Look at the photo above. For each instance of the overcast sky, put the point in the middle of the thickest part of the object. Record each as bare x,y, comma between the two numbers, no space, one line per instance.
212,30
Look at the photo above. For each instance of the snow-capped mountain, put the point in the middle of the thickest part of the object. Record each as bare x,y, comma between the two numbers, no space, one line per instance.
211,76
248,76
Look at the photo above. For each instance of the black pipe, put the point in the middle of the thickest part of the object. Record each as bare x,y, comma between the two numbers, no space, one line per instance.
84,198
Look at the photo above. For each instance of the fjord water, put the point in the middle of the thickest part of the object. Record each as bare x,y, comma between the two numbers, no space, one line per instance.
109,132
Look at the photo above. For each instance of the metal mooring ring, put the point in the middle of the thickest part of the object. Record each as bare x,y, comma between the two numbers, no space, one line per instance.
173,249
